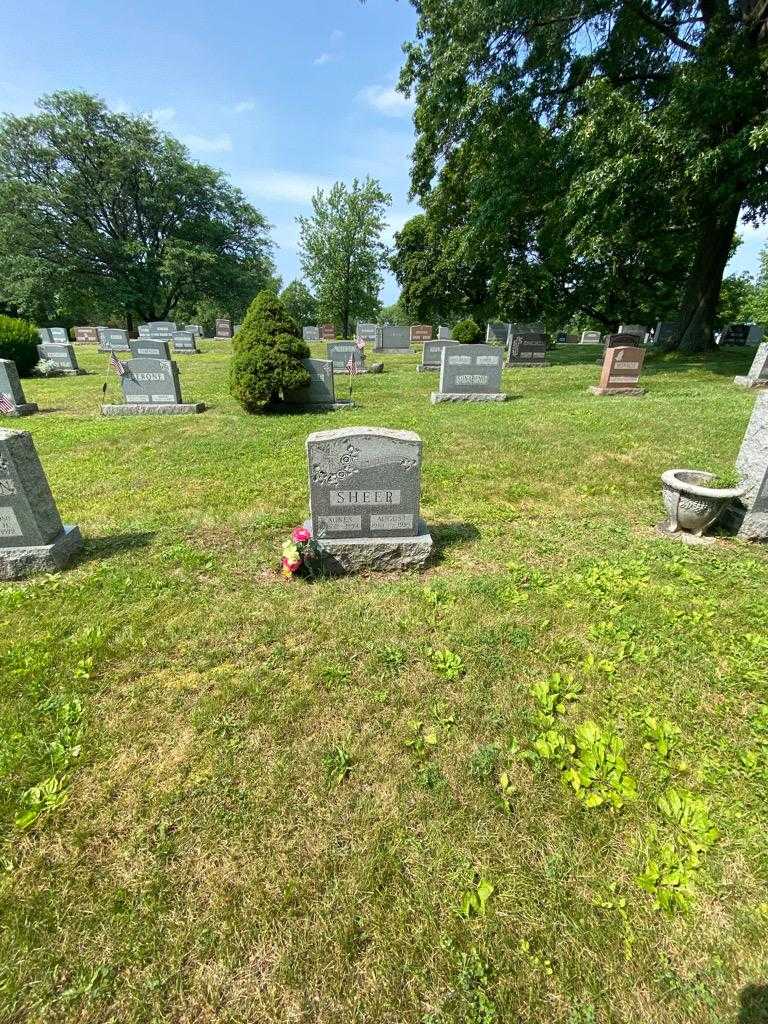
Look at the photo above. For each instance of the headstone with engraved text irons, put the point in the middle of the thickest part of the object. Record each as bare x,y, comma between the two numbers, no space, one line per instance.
339,353
367,332
432,354
327,332
527,350
310,334
496,333
394,339
421,332
87,335
223,328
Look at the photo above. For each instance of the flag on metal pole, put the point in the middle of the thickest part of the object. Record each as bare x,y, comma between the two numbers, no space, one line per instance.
116,365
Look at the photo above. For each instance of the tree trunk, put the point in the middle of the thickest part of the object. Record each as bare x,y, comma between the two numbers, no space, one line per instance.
129,322
701,293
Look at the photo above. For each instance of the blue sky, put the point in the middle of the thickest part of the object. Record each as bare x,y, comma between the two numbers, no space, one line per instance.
283,97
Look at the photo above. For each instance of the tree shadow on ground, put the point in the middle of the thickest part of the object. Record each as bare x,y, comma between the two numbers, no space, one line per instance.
449,535
97,548
754,1005
298,410
725,362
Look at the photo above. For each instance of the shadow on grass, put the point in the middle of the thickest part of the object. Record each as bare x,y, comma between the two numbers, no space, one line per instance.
448,535
298,410
104,547
725,362
754,1005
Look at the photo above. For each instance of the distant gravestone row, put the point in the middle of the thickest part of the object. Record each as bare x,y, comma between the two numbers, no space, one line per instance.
470,373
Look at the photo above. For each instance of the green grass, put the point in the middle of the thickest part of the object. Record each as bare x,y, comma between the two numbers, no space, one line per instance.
244,823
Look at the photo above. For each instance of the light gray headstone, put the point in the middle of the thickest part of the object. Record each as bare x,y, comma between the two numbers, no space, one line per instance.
758,372
395,338
145,331
151,382
60,335
445,334
44,334
752,464
196,329
590,338
223,327
28,513
471,369
340,351
161,328
62,356
321,390
112,339
368,332
149,348
184,341
364,482
10,385
311,334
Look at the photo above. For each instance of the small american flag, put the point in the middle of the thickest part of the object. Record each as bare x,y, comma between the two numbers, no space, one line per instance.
352,366
360,344
6,405
116,365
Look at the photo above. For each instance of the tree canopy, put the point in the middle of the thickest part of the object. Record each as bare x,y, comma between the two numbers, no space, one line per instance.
300,303
597,154
103,214
342,252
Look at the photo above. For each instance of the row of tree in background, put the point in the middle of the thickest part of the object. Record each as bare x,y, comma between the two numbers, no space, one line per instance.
578,165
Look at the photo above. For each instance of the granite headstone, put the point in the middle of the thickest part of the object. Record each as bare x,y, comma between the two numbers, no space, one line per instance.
87,335
445,334
496,334
590,338
620,375
223,328
32,536
421,332
310,334
367,332
320,394
112,339
10,386
339,353
758,372
62,356
151,348
432,354
151,386
327,332
185,343
527,350
394,339
470,373
749,516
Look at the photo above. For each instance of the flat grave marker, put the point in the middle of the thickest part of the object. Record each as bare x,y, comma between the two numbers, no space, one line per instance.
33,538
365,492
621,372
12,391
151,387
470,373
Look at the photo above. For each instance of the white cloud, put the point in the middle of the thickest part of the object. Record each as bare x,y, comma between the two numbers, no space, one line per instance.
325,58
332,53
336,36
163,115
208,144
283,186
244,106
386,100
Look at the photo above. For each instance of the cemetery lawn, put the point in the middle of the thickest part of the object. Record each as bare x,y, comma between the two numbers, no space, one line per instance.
217,801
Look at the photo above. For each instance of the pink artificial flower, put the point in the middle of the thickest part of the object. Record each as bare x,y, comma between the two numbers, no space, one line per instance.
290,567
301,535
360,344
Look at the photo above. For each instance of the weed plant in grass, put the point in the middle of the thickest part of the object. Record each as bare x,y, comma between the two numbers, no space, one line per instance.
440,798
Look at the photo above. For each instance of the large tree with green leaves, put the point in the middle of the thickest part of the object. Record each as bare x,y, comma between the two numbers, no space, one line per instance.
342,252
300,303
595,144
102,211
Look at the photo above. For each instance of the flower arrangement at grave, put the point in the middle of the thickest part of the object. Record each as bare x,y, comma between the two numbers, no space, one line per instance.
268,354
301,556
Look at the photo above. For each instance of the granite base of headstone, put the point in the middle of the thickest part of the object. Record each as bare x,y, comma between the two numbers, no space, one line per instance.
151,388
748,517
10,387
319,396
470,373
621,373
365,491
758,372
33,538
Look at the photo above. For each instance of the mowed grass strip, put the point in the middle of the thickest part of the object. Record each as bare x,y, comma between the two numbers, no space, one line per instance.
218,800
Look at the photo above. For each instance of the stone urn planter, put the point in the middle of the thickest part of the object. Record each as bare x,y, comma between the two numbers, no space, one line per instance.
692,507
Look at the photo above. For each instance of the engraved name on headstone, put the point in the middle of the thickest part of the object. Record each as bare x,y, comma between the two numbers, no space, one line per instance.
161,328
327,332
150,348
223,327
364,482
590,338
151,382
320,392
367,332
310,334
